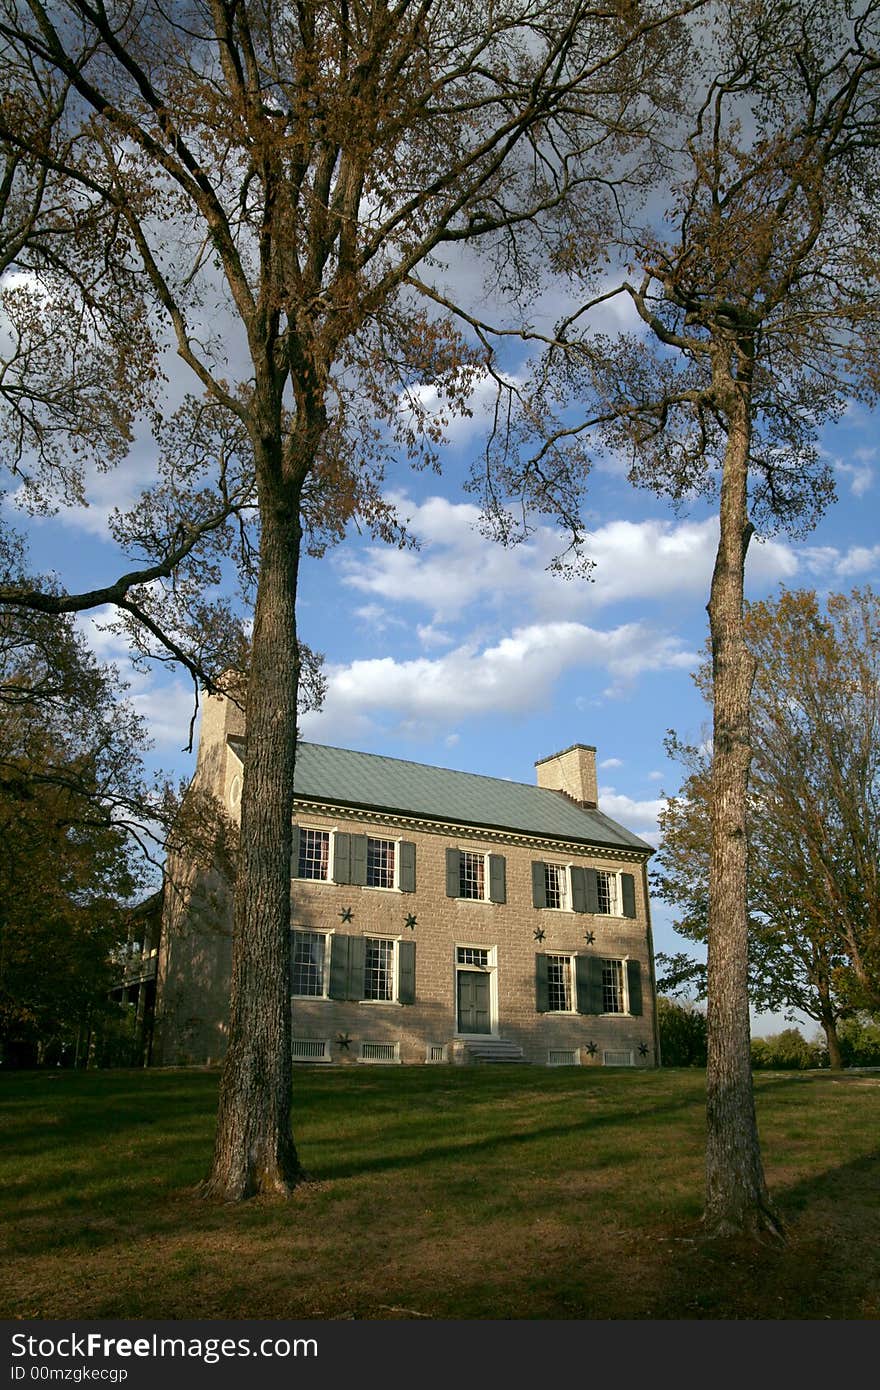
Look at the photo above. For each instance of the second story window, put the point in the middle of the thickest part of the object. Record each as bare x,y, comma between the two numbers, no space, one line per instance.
471,875
313,857
556,885
607,889
475,877
380,863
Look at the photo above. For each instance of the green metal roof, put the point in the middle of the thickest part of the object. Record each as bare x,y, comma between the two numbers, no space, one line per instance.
373,782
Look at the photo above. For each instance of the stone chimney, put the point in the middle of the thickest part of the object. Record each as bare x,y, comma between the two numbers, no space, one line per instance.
221,717
573,771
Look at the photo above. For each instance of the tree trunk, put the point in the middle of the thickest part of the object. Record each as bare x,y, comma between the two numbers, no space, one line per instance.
254,1151
737,1201
832,1041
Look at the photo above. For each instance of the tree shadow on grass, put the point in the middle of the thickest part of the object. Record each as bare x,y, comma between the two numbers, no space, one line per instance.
829,1267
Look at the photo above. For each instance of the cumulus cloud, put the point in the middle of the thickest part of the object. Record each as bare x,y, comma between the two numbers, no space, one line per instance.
456,568
640,816
611,762
513,676
860,474
827,562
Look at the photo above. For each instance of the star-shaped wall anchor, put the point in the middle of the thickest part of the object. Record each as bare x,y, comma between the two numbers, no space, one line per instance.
344,1040
589,937
643,1049
540,933
592,1049
347,914
411,921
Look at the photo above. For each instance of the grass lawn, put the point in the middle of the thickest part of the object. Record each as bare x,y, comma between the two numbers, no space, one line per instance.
434,1192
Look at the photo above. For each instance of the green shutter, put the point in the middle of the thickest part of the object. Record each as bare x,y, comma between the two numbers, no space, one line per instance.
357,959
294,853
628,893
358,859
539,884
406,972
453,873
578,890
339,953
542,988
406,874
634,986
588,975
341,872
497,879
591,879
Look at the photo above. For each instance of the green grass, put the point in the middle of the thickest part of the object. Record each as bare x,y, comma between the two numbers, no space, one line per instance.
475,1193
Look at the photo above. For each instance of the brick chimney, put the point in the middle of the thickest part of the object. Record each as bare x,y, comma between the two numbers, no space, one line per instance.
573,771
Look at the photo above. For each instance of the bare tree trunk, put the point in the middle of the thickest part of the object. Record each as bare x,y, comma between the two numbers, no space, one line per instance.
254,1151
832,1041
737,1200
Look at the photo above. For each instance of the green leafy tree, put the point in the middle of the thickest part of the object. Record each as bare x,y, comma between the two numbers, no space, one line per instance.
70,782
682,1028
814,814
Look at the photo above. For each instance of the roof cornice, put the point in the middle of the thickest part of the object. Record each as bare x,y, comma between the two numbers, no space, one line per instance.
465,830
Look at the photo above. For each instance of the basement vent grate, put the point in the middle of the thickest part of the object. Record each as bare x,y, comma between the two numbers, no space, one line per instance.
310,1050
618,1059
380,1052
563,1057
435,1052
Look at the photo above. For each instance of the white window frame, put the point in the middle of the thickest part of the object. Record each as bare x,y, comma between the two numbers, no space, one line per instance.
613,876
316,830
564,871
325,969
622,961
572,982
395,969
393,887
475,854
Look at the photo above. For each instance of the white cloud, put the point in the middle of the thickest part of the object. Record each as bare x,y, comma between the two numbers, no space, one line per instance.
859,559
827,562
514,676
611,762
431,636
640,816
457,568
861,474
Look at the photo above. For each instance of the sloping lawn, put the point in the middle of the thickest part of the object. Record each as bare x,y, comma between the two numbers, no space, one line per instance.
485,1192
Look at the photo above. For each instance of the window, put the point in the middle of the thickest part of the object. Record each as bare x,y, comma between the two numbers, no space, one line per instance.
613,988
559,989
378,969
556,885
374,862
587,984
381,859
607,890
471,875
307,964
573,888
369,968
313,854
473,955
475,877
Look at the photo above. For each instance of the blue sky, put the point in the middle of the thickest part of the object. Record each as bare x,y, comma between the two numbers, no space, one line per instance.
467,655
